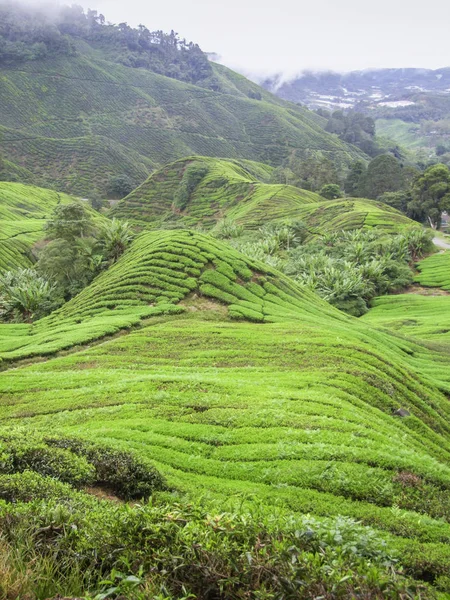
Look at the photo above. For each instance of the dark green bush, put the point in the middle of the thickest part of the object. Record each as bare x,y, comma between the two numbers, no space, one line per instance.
122,472
53,462
29,487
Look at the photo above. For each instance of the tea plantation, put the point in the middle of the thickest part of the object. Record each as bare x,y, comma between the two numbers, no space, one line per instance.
23,211
425,312
200,191
242,390
96,119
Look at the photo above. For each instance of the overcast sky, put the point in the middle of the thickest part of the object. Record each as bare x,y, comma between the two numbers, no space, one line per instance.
260,37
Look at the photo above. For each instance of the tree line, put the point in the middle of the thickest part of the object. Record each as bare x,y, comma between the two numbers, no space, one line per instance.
27,33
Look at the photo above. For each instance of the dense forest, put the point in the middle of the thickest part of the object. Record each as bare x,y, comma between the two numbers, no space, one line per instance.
27,34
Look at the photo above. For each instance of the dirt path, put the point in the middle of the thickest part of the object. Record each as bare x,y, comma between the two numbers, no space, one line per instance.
441,244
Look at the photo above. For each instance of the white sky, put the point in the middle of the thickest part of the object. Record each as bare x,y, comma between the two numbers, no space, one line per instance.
262,36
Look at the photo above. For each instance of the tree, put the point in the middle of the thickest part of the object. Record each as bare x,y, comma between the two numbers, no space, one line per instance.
314,171
351,185
331,191
71,265
120,186
431,196
25,296
69,222
398,200
384,174
115,237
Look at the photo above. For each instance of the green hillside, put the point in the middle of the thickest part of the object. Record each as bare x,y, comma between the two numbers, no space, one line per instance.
255,389
23,211
353,213
75,121
435,271
200,191
425,312
160,270
215,188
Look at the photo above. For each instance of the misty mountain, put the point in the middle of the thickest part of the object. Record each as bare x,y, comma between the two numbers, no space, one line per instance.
360,89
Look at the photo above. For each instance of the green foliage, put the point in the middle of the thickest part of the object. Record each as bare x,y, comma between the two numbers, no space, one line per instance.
356,172
114,238
384,174
80,463
198,553
69,222
398,200
192,176
227,229
71,265
331,191
355,128
314,170
26,296
349,269
23,211
28,33
431,195
120,186
119,471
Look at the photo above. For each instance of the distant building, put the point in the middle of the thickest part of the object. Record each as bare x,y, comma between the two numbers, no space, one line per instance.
445,222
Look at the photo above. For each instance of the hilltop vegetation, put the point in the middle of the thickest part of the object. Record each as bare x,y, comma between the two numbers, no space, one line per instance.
201,191
131,120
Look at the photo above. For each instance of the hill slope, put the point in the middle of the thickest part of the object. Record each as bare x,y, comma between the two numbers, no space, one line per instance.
23,211
425,312
295,408
199,190
159,271
57,111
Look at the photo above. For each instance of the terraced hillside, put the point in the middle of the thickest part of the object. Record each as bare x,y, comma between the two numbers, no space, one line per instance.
423,313
354,213
56,112
160,270
435,271
291,402
199,190
23,211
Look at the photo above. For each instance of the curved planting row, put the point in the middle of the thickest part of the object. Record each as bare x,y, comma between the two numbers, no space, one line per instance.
434,271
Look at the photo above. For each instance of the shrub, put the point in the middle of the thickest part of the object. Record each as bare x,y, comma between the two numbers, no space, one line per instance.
331,191
122,472
226,229
52,462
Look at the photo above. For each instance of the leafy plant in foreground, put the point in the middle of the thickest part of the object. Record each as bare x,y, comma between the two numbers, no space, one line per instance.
26,296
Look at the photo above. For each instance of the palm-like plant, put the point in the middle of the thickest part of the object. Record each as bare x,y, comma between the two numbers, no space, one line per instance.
115,237
24,295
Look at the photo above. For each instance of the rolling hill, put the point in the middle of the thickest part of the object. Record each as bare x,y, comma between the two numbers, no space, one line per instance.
238,383
200,191
23,212
76,121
